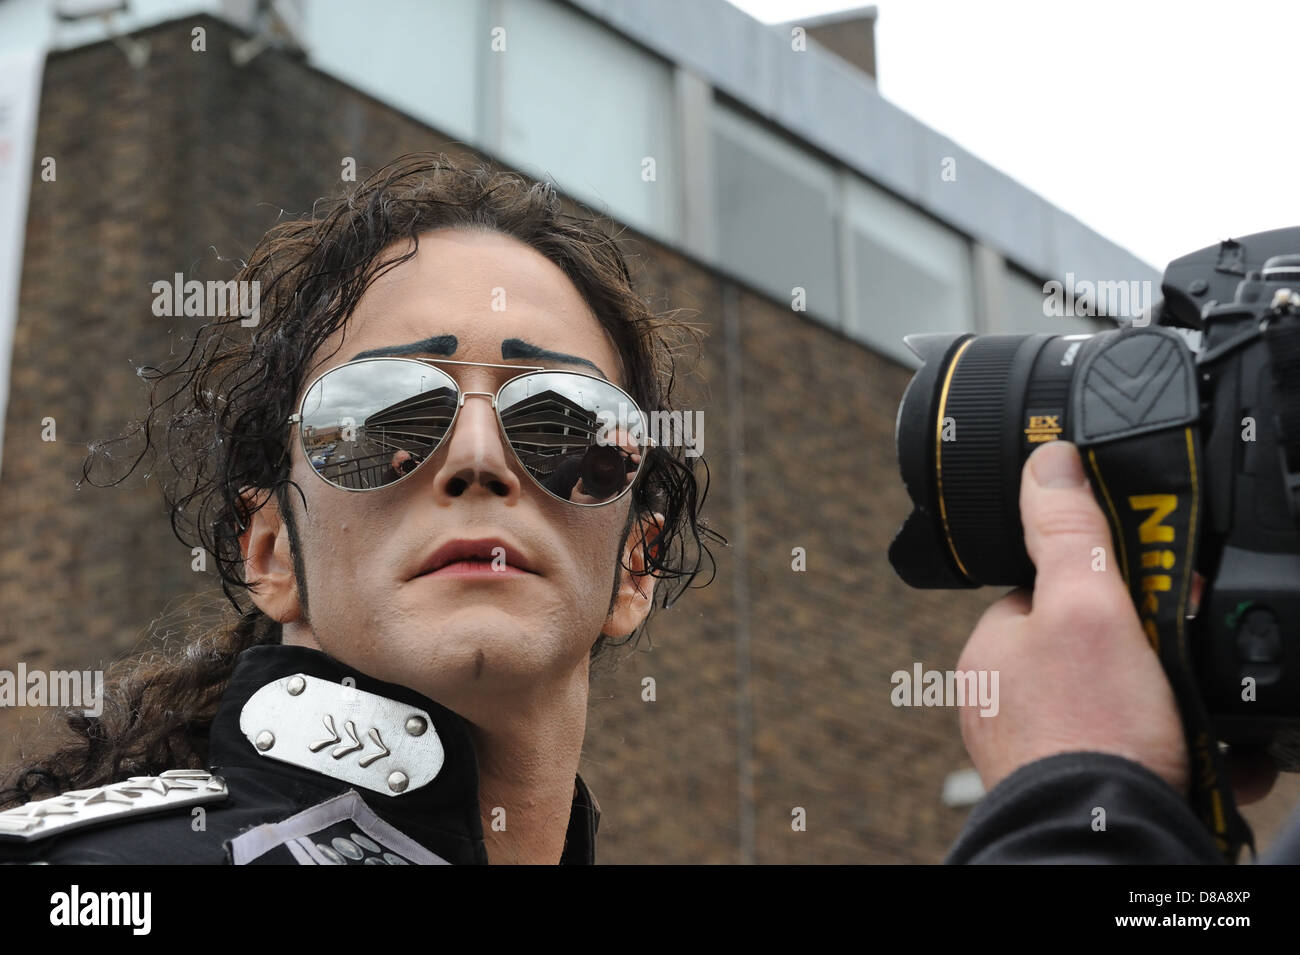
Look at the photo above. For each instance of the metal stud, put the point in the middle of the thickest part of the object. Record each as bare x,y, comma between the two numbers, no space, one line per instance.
416,725
398,781
320,744
352,746
392,859
368,844
130,789
348,848
374,757
375,860
296,685
108,795
19,823
333,857
265,740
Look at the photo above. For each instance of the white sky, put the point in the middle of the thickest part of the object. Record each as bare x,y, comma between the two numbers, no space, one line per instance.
1164,126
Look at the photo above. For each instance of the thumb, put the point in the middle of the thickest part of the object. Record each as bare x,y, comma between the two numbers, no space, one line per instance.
1066,534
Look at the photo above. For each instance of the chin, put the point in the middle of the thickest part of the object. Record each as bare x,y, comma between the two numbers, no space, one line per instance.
461,662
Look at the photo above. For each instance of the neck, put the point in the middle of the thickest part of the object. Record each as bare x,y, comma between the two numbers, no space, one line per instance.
528,754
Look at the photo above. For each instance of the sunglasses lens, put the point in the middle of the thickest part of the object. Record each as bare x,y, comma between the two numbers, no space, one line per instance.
370,423
579,437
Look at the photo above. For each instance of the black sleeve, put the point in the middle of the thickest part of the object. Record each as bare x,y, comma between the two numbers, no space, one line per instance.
1285,849
564,478
1046,812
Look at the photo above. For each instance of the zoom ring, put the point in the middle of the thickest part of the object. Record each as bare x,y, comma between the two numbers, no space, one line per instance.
972,460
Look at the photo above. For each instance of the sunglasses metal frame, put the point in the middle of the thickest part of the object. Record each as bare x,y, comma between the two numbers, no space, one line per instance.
461,395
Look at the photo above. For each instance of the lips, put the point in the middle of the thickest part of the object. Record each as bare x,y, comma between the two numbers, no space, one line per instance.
485,549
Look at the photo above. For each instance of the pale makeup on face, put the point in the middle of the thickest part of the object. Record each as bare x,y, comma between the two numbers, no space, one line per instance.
509,653
466,639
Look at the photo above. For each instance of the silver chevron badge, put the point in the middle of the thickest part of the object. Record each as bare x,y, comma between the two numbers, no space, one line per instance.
345,733
135,796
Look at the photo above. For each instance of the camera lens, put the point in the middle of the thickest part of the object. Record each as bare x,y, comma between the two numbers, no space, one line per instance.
976,409
604,471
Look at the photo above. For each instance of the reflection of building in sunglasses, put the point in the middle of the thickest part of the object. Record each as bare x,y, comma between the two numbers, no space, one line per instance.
544,427
366,455
555,433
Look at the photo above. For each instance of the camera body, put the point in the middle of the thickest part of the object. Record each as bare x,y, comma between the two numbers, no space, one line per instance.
1193,453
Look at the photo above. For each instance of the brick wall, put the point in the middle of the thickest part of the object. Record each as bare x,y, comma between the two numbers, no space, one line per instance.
772,685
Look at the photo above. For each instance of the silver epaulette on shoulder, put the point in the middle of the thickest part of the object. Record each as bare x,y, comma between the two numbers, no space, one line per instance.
362,738
137,796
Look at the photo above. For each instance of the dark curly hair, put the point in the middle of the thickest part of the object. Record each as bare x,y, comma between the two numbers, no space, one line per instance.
222,411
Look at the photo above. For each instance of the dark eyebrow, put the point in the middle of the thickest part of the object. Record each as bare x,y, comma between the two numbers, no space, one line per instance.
438,345
510,348
518,348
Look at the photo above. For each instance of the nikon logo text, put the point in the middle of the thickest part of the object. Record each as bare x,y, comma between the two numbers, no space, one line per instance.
946,688
1155,559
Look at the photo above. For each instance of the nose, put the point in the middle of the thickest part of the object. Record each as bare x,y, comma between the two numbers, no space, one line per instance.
476,455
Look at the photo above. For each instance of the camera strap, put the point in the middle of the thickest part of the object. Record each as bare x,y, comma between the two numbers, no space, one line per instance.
1135,412
1282,338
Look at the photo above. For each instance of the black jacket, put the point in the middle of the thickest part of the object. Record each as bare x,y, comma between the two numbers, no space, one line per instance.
334,803
1046,811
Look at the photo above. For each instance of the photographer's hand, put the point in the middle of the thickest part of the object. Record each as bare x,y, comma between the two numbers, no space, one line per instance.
1076,672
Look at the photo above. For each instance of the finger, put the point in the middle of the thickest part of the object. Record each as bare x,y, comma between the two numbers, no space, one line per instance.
1198,588
1067,536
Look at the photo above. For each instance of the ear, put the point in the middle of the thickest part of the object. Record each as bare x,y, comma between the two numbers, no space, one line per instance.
268,558
635,591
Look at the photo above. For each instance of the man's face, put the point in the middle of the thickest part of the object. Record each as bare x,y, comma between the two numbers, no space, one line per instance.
461,640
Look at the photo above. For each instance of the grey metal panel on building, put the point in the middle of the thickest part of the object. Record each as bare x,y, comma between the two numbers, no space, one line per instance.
836,108
775,215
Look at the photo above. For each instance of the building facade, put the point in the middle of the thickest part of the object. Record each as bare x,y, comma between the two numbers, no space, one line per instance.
806,243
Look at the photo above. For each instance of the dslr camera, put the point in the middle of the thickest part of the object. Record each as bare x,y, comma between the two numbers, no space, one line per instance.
1187,419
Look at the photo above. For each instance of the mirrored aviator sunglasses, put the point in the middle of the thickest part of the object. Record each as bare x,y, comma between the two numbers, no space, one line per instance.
371,423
